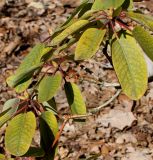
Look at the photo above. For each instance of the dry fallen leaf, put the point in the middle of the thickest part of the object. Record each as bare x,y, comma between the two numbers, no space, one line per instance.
117,118
137,155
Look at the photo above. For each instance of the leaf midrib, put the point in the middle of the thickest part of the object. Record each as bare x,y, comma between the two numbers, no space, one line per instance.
22,125
129,68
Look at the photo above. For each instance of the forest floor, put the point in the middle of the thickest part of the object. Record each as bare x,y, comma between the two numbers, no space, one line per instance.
123,130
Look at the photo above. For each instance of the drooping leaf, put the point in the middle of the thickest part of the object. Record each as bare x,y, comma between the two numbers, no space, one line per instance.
50,119
50,106
19,133
130,66
34,152
117,12
75,98
48,87
9,109
32,59
48,131
145,20
85,9
128,5
22,77
145,40
68,31
77,10
89,43
107,4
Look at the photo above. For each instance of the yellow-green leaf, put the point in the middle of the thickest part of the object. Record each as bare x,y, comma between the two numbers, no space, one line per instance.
106,4
68,31
32,59
2,157
89,43
145,20
48,87
145,40
75,98
51,120
130,66
19,133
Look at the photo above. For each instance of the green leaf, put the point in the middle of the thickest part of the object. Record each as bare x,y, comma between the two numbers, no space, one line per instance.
107,4
85,9
48,131
128,5
77,10
32,59
19,133
130,66
34,152
50,106
145,40
2,157
9,109
48,87
51,121
75,98
68,31
11,103
89,43
22,77
145,20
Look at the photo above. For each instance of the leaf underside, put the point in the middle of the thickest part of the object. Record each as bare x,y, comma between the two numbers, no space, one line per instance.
32,59
9,109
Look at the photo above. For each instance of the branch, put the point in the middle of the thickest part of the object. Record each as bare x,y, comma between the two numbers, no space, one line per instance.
93,80
95,110
106,54
90,113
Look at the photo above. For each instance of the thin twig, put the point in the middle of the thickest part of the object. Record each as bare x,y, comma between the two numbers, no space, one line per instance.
93,80
90,113
20,110
106,54
59,133
95,110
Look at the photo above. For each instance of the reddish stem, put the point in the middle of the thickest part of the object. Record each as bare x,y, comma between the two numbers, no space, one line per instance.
114,30
59,133
38,106
123,25
20,110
